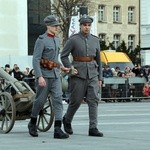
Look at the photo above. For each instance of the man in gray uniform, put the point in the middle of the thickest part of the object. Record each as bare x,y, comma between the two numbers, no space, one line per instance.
47,74
85,50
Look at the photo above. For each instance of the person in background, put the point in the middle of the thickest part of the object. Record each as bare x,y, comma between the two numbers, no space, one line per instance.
27,71
19,75
47,75
128,72
14,69
117,69
139,72
146,72
86,77
8,69
107,72
106,91
30,79
114,87
114,72
146,89
31,74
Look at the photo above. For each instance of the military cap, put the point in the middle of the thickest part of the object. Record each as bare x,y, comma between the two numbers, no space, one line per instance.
85,19
51,20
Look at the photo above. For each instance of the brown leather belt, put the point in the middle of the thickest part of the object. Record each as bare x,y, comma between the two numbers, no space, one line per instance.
83,58
45,63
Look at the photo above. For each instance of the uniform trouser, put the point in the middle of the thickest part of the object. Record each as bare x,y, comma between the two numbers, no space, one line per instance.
81,88
54,88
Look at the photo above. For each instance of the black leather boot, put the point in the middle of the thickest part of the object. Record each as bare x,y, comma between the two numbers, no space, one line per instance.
32,127
58,133
95,132
67,126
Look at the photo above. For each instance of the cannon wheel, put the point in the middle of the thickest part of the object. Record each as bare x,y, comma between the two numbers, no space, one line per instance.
7,112
46,116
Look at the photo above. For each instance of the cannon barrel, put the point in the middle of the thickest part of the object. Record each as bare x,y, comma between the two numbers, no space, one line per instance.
9,78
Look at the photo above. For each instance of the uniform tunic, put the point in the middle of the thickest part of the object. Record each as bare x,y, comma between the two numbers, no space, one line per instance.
85,83
48,48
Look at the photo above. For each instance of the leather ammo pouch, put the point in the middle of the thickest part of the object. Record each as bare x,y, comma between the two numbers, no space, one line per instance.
48,64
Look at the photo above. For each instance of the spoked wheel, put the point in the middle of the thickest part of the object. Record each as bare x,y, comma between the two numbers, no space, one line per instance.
46,116
7,112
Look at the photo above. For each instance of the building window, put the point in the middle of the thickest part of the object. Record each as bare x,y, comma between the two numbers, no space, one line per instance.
116,14
116,40
131,42
101,13
131,14
102,36
37,11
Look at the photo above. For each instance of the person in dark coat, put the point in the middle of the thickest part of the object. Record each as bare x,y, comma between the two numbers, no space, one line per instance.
7,69
106,91
19,75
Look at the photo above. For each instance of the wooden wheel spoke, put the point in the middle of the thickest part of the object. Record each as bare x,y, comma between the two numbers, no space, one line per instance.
3,122
7,119
48,114
6,122
45,108
8,106
46,117
5,102
2,100
9,112
41,121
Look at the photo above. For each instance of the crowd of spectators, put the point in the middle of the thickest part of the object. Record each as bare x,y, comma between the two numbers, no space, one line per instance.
26,75
108,90
123,90
17,73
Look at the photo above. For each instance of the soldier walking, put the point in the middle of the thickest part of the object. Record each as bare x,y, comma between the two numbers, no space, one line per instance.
47,74
85,50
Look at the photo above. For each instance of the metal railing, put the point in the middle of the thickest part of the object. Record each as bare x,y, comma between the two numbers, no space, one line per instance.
123,89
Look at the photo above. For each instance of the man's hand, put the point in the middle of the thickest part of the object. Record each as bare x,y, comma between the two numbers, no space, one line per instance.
69,71
41,82
73,71
64,69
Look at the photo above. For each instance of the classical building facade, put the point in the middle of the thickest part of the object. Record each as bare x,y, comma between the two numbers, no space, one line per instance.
118,20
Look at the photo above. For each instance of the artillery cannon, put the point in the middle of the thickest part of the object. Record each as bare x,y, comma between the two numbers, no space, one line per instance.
16,100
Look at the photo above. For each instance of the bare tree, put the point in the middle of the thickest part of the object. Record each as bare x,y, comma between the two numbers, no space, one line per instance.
65,9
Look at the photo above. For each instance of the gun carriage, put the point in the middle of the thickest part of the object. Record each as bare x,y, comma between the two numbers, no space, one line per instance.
16,100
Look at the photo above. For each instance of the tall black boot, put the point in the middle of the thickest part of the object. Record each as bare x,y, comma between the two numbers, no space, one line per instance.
32,127
67,126
58,133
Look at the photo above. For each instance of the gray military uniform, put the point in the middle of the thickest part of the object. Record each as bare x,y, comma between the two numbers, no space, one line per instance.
85,83
48,48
